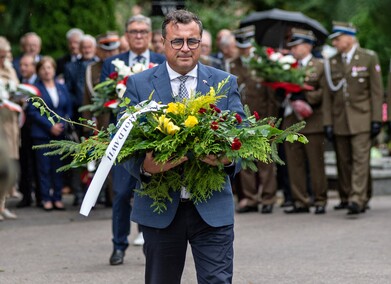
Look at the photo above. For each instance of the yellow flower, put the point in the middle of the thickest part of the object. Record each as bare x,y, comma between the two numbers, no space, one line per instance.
191,121
175,108
212,91
166,126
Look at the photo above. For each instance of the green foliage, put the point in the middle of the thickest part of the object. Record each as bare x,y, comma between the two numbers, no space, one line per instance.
52,19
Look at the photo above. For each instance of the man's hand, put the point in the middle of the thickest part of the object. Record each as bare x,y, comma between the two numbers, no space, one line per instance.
213,160
375,128
152,167
329,132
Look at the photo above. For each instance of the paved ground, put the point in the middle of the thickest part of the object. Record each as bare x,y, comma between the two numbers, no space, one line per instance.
65,247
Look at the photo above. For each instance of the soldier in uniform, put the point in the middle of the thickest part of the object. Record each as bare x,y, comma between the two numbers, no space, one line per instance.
352,110
254,188
300,156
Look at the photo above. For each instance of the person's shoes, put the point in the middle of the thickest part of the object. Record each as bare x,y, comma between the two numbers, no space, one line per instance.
139,240
6,214
320,209
267,209
296,210
47,206
58,205
117,257
341,206
247,209
354,208
287,204
23,203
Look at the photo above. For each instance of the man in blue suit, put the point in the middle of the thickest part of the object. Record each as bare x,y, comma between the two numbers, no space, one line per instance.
138,34
207,226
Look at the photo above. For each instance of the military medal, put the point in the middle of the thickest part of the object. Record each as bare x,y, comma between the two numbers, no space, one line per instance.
354,71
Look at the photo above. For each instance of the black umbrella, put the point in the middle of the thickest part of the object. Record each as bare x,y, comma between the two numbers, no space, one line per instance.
272,27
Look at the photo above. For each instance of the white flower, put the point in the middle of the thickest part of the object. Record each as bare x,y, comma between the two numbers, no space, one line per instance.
287,59
137,68
119,64
120,90
122,69
286,66
275,56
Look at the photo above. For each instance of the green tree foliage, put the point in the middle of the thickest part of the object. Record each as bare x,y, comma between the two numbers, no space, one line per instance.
52,19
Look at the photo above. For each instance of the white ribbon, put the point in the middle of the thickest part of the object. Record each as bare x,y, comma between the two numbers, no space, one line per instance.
111,154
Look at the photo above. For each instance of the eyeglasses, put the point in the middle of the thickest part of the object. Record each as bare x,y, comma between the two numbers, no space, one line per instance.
192,43
136,32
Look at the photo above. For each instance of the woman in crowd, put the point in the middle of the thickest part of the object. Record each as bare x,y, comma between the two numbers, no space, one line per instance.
56,97
9,125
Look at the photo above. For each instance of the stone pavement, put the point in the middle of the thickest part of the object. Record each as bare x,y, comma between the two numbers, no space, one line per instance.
65,247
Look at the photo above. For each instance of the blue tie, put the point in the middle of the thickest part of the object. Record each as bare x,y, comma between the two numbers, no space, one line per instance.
140,59
183,94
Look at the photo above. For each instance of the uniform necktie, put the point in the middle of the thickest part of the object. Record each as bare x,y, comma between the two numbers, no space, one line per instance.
345,59
182,94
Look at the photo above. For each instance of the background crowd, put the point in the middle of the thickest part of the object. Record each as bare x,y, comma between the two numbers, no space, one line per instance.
346,102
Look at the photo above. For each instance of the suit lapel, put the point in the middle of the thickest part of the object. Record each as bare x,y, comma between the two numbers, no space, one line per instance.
161,84
205,79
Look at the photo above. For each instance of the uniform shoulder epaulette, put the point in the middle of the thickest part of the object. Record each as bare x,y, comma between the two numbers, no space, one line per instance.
368,51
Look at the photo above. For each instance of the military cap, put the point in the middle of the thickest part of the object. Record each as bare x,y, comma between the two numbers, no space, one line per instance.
244,36
108,40
301,36
341,28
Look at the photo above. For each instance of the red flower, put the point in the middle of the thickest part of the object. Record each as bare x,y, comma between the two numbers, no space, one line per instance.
295,65
123,81
238,118
236,144
214,125
202,110
113,75
215,108
269,51
256,116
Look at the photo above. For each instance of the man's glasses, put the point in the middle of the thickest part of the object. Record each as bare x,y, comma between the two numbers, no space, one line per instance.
192,43
136,32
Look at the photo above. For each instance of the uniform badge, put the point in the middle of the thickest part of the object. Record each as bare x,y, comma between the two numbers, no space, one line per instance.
354,71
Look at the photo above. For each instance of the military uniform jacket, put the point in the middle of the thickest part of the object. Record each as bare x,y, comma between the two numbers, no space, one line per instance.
259,98
315,78
352,108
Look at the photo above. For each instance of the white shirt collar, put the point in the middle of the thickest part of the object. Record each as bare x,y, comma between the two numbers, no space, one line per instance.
350,53
306,59
173,74
132,57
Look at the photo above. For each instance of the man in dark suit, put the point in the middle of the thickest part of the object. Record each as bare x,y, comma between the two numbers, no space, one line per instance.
352,110
31,44
73,37
27,158
252,187
138,34
309,158
207,226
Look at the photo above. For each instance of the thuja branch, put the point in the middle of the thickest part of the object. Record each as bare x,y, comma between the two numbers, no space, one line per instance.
45,109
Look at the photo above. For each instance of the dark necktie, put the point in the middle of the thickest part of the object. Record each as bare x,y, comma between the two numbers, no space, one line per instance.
182,94
140,59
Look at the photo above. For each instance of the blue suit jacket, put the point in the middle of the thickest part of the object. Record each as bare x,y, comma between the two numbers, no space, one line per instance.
40,125
219,209
108,68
